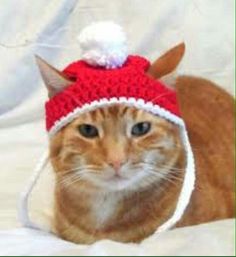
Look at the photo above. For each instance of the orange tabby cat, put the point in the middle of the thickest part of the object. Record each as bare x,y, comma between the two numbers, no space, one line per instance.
119,170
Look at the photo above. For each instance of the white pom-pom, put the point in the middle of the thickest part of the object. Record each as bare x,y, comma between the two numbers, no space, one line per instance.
103,44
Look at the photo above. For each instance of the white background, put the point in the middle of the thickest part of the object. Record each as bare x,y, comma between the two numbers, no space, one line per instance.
50,28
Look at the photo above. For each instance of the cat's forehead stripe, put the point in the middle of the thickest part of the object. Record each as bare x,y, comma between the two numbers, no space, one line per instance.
102,112
124,110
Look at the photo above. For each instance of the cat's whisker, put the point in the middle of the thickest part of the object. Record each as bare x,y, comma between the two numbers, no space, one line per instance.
162,176
156,165
77,169
72,177
175,176
153,183
69,183
66,179
146,181
71,180
65,171
171,167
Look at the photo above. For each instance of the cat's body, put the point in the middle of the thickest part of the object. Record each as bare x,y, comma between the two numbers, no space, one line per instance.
209,115
119,170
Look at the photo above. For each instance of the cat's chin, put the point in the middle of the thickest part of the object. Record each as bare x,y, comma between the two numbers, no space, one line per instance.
117,184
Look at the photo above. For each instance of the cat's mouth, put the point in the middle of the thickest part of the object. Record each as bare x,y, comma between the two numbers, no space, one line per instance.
117,177
112,182
116,181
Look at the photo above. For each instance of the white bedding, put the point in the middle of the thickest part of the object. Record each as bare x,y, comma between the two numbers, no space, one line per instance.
49,28
213,239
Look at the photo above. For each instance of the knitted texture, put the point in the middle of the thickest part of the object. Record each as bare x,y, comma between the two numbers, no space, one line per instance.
96,83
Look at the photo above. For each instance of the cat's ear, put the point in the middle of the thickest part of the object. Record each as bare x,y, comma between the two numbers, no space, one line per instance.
167,63
54,80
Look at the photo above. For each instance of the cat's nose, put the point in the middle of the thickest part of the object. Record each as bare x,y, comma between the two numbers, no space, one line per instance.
116,164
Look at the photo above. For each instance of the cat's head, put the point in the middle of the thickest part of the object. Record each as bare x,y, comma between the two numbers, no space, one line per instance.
115,147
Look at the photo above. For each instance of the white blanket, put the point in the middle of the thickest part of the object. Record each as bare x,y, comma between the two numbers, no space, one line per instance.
213,239
49,28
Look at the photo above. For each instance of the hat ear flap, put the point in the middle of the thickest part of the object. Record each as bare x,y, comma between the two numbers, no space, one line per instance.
54,80
167,62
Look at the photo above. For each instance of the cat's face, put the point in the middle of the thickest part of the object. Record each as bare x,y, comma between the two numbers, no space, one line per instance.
115,148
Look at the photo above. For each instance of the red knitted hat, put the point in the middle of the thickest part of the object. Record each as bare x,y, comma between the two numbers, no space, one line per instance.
97,86
107,75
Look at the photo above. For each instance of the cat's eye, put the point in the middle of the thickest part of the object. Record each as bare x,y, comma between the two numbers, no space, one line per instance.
141,129
88,131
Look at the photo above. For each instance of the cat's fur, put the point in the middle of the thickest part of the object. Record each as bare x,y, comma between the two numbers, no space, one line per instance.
93,201
96,204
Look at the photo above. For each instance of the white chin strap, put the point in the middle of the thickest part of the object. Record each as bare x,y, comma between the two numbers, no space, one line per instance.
187,188
23,212
183,200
